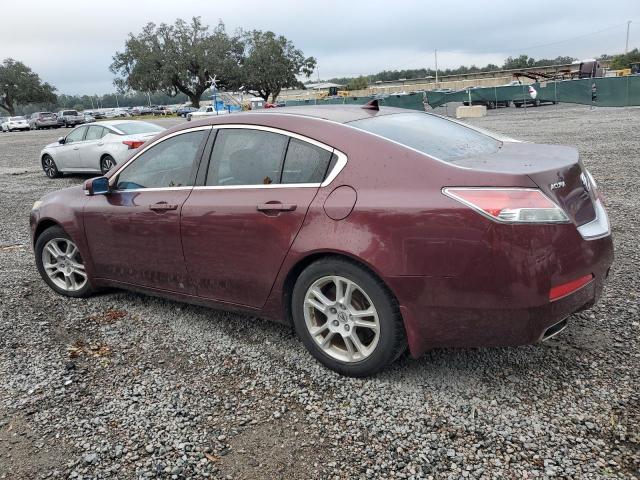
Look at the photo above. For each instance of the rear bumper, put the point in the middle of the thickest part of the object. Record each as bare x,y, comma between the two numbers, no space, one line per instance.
443,312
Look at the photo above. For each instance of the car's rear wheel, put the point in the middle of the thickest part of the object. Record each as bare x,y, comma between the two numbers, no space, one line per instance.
107,163
60,263
347,318
50,168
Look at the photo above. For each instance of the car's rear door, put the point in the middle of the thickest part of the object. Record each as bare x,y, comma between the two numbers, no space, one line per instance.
134,231
89,152
238,225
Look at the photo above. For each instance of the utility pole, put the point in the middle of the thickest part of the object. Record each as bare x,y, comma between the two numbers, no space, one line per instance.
435,54
626,45
149,97
117,104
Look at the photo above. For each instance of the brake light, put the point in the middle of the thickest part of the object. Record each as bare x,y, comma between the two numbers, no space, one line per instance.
133,144
565,289
509,205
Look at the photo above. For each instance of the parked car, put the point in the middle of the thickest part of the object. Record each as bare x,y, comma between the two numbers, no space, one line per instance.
385,229
183,111
40,120
88,118
95,148
161,110
70,118
98,115
206,111
14,123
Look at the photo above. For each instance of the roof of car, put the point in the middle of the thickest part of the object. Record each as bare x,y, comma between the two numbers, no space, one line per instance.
334,113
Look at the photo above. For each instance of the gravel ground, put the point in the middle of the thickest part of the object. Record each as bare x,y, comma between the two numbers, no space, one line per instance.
126,386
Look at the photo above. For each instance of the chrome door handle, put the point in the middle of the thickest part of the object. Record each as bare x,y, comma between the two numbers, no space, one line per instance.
100,144
277,207
163,207
76,148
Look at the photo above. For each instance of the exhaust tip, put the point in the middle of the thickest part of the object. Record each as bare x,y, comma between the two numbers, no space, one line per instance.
554,330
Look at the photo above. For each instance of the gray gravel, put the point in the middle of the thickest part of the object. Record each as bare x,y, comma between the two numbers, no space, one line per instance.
126,386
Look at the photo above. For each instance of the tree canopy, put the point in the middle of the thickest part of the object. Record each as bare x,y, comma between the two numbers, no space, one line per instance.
272,63
182,57
625,60
20,85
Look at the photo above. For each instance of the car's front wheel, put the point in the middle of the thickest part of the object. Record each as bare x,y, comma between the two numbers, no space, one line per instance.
106,163
60,263
347,318
49,166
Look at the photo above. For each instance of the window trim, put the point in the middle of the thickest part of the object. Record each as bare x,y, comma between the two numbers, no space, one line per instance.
337,168
114,178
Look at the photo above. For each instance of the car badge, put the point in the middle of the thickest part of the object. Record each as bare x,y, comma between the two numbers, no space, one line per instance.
560,184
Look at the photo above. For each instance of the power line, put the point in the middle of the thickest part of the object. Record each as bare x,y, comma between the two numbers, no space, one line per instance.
527,48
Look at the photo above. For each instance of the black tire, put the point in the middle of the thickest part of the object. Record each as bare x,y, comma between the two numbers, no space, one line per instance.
536,103
49,167
107,163
392,340
51,233
491,105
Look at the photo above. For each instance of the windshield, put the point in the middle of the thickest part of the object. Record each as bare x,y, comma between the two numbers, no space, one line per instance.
430,134
16,119
134,128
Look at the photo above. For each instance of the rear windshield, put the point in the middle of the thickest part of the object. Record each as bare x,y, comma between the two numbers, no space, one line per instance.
134,128
16,119
69,112
430,134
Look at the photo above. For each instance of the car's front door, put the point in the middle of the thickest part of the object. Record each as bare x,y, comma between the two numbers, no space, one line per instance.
239,225
134,231
67,157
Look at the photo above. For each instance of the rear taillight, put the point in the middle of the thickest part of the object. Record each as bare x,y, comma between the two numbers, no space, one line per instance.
133,144
565,289
509,205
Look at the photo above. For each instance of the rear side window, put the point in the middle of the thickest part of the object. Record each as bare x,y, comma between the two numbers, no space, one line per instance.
167,164
305,163
246,157
95,133
430,134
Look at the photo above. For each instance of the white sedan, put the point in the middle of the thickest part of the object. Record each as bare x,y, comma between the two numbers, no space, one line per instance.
95,148
15,123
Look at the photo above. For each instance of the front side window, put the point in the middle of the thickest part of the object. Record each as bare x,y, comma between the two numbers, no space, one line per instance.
430,134
167,164
246,157
77,135
95,133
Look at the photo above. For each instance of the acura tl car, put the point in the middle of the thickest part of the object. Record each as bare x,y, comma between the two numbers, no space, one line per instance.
95,148
371,230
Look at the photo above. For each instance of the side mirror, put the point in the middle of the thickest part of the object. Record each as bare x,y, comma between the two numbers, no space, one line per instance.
61,140
97,186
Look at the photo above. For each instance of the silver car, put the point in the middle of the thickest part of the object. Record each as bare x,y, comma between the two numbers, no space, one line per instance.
95,148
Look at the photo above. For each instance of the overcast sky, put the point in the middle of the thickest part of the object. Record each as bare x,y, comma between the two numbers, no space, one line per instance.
70,43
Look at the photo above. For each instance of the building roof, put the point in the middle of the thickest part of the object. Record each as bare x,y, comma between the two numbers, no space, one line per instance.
321,85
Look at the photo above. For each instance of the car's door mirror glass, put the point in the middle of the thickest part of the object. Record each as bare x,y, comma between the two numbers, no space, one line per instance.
98,186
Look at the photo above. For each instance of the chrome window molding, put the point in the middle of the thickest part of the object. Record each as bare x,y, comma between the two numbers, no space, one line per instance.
337,168
152,189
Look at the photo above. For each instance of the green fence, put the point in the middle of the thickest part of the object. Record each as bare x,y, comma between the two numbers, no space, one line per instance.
604,92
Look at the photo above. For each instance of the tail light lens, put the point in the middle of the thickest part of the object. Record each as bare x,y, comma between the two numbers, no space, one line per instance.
509,205
133,144
565,289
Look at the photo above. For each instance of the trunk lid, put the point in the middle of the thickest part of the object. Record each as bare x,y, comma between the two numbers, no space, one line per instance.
556,170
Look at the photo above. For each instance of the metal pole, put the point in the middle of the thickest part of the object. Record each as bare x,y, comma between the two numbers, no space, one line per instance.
117,104
435,53
626,45
149,97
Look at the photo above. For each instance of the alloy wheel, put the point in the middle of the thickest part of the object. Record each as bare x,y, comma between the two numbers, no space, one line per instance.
63,264
341,319
49,167
106,164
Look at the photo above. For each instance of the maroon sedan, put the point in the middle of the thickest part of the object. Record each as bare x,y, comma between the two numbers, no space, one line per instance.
370,230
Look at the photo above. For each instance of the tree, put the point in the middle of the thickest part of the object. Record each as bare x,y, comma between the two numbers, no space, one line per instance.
625,60
272,63
182,57
358,83
20,85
